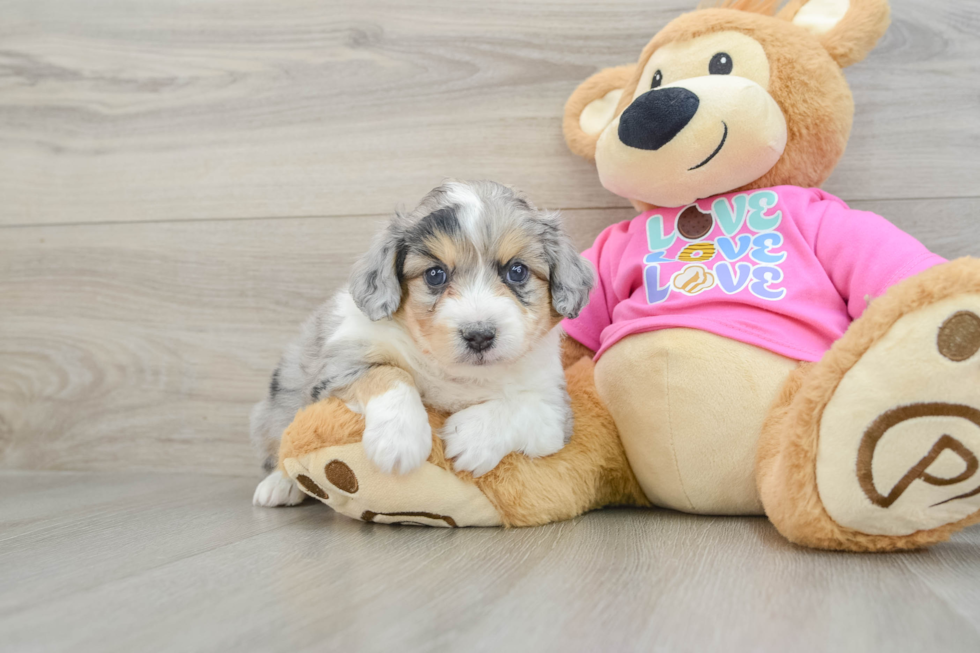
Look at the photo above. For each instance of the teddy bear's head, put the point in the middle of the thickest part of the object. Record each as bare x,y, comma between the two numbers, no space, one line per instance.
727,98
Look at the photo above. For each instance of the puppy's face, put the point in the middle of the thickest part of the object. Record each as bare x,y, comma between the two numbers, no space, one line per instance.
476,286
481,275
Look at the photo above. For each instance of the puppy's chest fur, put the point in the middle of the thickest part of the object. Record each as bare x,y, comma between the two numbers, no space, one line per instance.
385,342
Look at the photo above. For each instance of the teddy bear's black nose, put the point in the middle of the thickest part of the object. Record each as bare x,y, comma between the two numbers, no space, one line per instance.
654,118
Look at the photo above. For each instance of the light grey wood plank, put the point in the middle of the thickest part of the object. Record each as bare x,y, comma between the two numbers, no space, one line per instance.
166,109
144,345
613,580
67,532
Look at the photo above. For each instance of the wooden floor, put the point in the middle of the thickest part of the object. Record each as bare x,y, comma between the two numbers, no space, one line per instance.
169,562
182,181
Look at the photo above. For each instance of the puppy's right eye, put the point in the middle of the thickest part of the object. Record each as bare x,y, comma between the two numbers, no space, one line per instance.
658,79
517,273
435,277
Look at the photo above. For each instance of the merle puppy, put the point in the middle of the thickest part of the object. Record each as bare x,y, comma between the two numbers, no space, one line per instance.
454,306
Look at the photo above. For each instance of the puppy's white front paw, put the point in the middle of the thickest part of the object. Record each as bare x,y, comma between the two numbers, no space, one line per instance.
277,490
544,429
397,435
476,439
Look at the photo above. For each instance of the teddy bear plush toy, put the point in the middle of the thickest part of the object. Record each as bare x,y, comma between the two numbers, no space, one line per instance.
753,345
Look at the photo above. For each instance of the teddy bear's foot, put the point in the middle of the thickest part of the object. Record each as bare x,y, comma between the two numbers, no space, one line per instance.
900,438
346,480
879,445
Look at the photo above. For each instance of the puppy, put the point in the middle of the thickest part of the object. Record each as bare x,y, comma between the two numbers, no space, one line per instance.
454,306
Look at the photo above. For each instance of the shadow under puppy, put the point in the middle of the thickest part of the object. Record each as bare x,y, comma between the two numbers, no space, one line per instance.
455,305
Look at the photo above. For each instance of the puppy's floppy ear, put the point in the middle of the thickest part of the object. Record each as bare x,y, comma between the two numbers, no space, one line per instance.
571,276
592,106
375,285
848,29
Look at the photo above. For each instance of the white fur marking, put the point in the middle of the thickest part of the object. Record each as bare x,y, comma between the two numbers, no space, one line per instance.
477,303
478,437
470,208
277,490
397,435
530,414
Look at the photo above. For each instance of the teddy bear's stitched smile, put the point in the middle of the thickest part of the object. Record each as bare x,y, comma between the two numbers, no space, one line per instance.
724,137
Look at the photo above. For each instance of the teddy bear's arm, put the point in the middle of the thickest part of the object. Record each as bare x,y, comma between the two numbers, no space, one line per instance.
864,254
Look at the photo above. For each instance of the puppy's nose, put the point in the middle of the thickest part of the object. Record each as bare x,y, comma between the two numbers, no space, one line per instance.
478,337
656,117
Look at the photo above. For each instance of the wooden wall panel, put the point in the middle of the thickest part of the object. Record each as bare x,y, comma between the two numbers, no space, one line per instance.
174,110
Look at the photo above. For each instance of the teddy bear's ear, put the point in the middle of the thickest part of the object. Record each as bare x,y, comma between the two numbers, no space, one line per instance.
592,107
848,29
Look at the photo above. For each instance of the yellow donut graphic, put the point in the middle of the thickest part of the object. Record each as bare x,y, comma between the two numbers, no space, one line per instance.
693,279
700,252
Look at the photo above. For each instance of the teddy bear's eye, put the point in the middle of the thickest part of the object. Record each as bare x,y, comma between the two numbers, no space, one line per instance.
720,64
658,79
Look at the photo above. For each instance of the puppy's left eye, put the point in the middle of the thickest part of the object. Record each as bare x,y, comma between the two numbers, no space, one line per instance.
517,273
435,277
720,64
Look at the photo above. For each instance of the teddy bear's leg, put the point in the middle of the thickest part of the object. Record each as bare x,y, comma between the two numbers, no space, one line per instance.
689,406
322,451
876,447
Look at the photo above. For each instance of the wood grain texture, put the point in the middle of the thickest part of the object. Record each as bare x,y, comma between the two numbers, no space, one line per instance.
144,345
176,110
180,563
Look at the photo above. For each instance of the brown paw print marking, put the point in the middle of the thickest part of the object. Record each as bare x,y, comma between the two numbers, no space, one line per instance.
693,224
341,475
310,487
959,336
887,420
369,516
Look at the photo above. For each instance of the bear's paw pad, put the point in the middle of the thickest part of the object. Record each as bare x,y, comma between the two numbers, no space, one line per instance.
346,480
899,445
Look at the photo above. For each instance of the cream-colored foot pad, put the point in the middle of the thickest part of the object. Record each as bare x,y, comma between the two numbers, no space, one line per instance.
343,478
900,439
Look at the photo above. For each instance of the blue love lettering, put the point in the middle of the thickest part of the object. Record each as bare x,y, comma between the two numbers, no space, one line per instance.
656,257
765,275
730,216
656,238
730,282
651,281
730,251
758,204
764,244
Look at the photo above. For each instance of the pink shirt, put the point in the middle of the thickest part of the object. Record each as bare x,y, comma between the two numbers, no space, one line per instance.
786,269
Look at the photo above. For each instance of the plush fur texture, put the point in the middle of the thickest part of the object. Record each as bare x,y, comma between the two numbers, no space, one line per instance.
786,468
855,35
806,83
594,87
591,471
